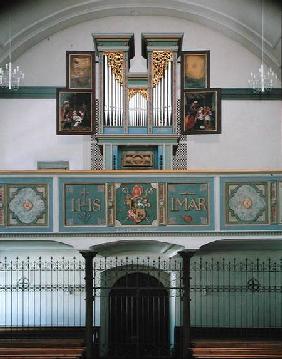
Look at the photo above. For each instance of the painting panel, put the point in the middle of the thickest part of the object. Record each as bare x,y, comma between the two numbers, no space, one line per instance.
75,112
246,203
27,205
195,69
84,204
136,204
201,112
188,204
80,69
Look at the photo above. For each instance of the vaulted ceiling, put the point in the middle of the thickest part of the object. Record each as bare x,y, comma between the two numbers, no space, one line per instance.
241,20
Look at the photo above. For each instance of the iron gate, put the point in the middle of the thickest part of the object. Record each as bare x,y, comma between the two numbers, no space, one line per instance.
135,306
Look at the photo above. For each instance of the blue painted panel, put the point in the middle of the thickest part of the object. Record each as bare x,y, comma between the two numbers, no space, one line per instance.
113,130
209,226
26,204
138,130
249,203
162,130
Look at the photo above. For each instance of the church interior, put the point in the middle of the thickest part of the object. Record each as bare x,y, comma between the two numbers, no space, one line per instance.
141,208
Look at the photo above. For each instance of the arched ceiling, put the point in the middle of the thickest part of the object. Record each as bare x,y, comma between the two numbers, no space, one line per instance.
35,20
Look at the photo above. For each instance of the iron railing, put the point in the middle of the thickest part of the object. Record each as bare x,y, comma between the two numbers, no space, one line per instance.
42,292
225,293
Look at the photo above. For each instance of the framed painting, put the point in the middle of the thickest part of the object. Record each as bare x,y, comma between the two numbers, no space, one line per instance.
80,69
201,111
75,112
195,69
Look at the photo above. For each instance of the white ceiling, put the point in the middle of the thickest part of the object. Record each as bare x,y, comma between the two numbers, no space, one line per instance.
35,20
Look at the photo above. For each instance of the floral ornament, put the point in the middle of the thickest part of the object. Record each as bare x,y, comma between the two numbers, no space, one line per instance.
27,205
247,203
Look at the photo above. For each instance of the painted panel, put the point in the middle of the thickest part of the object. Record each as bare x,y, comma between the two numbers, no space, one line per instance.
246,203
188,204
137,157
136,204
26,204
84,204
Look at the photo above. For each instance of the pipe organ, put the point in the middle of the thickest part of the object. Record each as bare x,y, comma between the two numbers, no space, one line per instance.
113,71
137,104
162,63
137,111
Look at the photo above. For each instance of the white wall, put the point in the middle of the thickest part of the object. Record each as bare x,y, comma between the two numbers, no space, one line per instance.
251,130
231,63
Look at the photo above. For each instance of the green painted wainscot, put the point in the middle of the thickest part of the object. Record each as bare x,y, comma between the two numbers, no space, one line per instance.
153,201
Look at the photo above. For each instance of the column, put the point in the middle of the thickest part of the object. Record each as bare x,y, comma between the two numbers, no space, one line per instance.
186,330
88,256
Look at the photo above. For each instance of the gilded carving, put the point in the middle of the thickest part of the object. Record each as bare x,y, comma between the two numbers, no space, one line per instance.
160,60
137,159
116,62
134,91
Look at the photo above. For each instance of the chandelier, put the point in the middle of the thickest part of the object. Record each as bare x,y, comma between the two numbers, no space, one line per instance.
263,80
10,77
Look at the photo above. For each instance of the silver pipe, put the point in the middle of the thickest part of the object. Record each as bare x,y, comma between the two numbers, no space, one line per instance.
106,98
169,93
165,98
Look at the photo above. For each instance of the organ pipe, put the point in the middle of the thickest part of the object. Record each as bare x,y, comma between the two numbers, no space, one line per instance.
162,88
113,89
137,107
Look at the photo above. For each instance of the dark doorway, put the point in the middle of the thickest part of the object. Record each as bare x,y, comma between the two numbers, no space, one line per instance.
138,318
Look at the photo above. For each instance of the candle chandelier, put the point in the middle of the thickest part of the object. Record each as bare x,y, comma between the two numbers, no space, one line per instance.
10,76
263,80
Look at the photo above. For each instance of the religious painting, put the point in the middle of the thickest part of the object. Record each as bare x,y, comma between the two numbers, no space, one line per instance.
136,204
188,204
201,111
195,69
75,112
80,69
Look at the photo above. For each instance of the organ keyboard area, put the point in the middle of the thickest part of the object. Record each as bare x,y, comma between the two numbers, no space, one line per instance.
143,104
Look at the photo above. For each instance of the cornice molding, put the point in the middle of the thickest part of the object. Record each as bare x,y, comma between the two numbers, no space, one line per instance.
49,92
231,234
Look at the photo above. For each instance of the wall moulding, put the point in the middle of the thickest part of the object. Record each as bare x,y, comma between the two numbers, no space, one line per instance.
49,92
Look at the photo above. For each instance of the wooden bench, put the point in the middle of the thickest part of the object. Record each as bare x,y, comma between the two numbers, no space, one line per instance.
37,353
230,349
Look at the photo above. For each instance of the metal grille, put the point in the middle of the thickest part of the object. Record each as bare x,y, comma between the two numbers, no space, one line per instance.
236,293
42,293
137,301
137,298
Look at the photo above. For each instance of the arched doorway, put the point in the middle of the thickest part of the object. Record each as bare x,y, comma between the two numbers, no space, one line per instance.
138,318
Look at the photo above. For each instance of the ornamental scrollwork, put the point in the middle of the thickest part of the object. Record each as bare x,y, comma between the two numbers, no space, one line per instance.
134,91
116,63
160,60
